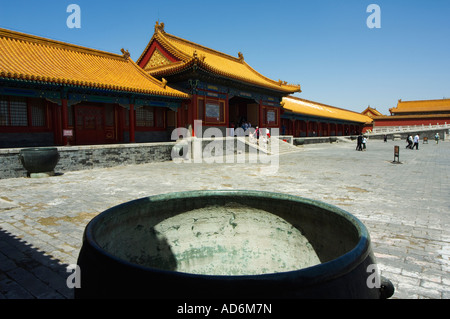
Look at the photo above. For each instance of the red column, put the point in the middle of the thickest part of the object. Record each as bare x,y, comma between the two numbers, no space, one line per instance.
179,113
178,119
57,124
132,130
279,119
260,117
194,111
227,113
64,120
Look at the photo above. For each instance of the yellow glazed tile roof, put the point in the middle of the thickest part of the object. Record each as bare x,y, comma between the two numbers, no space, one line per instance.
371,112
310,108
422,106
31,58
214,61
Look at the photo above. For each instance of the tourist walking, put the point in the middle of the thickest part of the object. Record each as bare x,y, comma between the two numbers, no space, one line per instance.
436,137
359,143
416,142
409,140
364,142
255,134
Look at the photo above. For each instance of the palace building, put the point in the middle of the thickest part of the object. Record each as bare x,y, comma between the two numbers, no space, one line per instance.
413,113
225,90
303,118
55,93
371,112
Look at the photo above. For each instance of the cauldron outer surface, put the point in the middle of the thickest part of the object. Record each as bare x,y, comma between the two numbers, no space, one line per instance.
39,160
106,276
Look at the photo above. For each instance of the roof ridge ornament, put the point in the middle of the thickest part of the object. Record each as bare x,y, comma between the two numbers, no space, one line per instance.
125,53
241,57
159,26
164,83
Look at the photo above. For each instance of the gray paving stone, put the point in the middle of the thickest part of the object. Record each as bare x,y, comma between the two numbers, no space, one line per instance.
405,208
54,280
10,289
27,280
6,263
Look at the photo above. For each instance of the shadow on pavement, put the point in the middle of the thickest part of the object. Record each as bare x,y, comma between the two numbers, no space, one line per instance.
28,273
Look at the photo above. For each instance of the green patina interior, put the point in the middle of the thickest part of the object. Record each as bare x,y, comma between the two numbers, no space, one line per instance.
211,234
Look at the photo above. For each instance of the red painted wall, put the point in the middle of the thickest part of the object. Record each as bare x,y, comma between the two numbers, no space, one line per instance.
410,122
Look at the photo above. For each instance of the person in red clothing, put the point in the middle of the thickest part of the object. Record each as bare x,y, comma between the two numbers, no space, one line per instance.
257,134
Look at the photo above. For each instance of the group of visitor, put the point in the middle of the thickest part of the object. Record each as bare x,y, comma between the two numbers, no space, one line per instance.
361,143
246,125
264,134
412,142
254,134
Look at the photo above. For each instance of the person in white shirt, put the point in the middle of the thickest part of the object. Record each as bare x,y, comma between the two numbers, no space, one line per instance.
416,142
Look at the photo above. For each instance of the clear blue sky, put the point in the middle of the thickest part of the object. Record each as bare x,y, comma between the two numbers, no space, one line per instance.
324,45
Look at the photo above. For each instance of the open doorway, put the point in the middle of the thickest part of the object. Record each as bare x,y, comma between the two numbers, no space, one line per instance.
243,111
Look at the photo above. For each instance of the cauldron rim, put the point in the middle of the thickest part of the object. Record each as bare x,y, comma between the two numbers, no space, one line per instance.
319,273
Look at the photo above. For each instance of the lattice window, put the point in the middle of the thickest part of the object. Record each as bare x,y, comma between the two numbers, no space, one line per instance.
145,117
4,112
19,111
22,112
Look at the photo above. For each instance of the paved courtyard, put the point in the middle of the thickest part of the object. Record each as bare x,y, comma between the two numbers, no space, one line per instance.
406,208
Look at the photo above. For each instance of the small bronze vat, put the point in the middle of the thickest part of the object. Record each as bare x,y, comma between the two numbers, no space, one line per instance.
39,160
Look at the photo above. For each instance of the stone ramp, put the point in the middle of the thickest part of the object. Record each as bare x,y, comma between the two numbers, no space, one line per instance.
283,147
